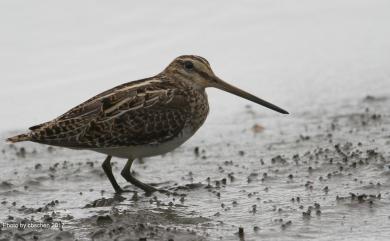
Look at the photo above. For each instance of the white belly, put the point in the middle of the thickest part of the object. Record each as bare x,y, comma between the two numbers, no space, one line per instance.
148,150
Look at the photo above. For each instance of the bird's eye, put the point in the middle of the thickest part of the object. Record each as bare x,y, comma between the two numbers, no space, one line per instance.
188,65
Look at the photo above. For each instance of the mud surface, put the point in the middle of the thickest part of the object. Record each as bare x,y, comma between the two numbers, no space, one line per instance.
322,174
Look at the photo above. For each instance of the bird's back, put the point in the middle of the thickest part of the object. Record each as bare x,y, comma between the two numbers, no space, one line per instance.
148,111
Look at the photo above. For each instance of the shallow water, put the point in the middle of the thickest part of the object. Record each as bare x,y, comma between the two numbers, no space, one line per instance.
319,60
337,164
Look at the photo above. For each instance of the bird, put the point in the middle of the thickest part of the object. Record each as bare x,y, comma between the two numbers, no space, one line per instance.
138,119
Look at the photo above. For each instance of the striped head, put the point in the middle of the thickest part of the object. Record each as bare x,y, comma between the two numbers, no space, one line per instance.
196,72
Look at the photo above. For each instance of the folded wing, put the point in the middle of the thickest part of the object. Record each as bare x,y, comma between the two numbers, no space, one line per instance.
142,112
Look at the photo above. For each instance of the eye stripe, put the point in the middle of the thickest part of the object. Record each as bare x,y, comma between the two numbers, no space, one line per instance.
202,61
204,75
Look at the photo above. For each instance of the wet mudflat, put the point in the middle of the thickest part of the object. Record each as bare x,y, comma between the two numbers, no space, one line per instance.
321,174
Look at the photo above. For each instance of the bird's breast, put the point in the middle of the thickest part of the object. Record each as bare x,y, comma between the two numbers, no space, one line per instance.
199,109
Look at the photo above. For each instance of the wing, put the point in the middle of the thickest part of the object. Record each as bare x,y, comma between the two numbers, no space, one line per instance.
141,112
90,104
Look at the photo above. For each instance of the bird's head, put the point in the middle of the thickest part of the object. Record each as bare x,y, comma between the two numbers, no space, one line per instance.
196,71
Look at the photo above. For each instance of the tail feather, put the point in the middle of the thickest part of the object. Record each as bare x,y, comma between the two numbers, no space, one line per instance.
19,138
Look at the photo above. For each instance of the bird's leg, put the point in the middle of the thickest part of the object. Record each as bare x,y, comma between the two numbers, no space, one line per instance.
126,173
108,170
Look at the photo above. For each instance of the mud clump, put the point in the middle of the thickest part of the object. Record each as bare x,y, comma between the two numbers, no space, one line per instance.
104,220
105,202
241,233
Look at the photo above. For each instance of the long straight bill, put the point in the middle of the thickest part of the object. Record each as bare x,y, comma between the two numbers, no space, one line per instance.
222,85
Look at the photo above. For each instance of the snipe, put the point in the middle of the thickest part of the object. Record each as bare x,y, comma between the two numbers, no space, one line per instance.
138,119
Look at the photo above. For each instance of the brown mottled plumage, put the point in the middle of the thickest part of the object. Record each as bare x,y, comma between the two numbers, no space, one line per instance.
140,118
